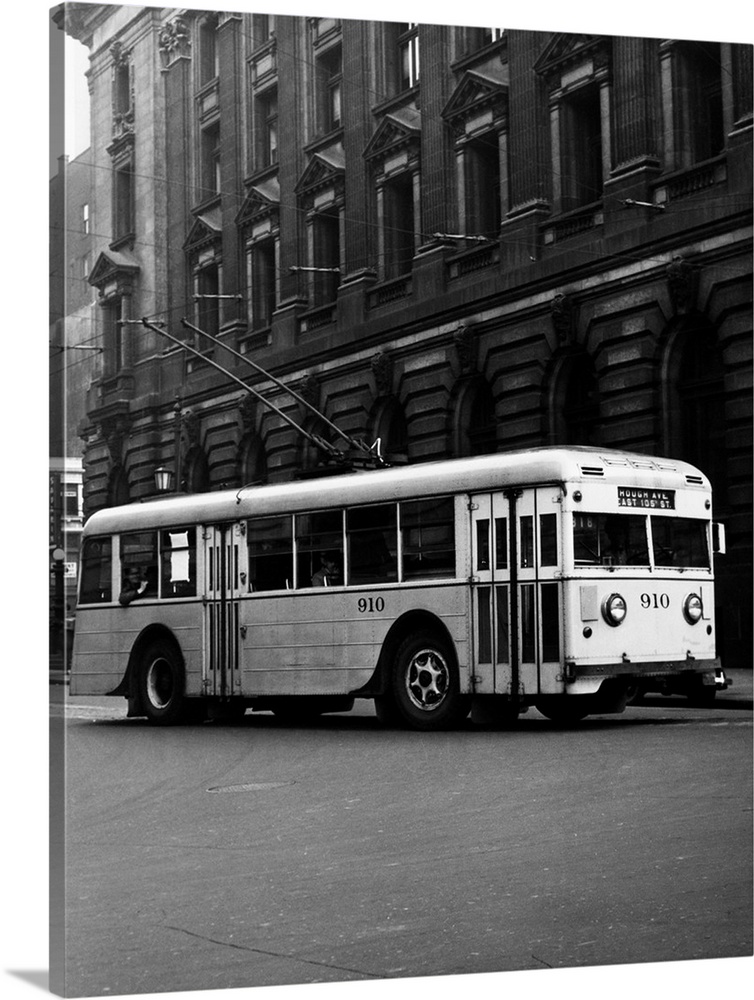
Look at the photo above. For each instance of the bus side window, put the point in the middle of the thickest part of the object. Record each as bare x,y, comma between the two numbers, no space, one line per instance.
178,553
372,534
316,535
270,553
140,550
96,571
428,534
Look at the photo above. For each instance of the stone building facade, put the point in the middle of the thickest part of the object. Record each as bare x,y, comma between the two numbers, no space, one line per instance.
456,240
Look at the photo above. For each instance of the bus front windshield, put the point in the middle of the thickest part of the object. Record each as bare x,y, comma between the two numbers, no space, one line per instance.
601,539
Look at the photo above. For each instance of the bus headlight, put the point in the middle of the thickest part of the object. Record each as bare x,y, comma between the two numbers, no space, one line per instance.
614,609
693,608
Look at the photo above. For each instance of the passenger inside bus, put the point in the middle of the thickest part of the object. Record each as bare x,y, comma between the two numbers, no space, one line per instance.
328,573
135,585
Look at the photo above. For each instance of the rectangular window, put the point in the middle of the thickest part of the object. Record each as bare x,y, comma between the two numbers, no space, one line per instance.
482,175
372,536
96,571
319,540
263,283
266,128
610,539
548,540
210,162
208,54
581,148
178,562
122,89
85,219
408,48
208,303
428,539
123,194
680,541
326,250
399,225
527,542
138,550
550,615
329,76
528,624
112,337
485,624
501,543
503,625
270,553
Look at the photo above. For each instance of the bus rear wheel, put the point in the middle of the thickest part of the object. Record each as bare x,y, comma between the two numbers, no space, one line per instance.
162,684
424,685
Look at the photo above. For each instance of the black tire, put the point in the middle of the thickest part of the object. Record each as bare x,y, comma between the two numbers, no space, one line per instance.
424,685
564,710
701,695
162,684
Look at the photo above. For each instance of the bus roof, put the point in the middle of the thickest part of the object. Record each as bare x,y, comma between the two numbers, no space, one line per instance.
535,466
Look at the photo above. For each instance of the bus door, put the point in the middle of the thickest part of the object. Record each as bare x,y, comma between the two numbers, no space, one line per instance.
490,593
538,587
222,582
515,588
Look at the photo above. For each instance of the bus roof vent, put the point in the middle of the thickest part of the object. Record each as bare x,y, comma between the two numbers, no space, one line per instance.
640,464
695,480
616,461
592,470
666,466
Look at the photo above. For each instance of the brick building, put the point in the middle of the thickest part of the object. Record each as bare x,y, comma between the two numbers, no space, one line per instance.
456,240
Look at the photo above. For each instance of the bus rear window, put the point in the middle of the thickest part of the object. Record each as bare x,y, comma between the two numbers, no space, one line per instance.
680,541
610,540
96,571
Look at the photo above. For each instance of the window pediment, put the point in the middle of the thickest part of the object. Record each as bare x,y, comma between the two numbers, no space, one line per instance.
326,169
206,230
262,200
399,129
566,52
476,92
113,266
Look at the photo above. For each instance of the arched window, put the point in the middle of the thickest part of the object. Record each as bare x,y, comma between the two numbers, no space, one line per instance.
476,423
392,430
576,406
695,402
253,463
119,491
197,471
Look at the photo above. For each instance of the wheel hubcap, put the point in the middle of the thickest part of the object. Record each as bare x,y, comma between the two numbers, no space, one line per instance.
427,680
160,683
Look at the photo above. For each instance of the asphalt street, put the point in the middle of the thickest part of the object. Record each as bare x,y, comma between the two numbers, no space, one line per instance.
257,854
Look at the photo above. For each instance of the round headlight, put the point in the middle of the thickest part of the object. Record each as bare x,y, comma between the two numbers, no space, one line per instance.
693,608
614,609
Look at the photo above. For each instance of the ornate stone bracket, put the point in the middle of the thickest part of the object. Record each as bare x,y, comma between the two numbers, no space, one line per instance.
464,343
382,369
682,283
562,313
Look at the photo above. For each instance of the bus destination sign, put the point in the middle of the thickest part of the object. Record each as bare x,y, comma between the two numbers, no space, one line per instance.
631,496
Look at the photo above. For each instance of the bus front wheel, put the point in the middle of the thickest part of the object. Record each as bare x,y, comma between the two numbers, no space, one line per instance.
162,684
424,684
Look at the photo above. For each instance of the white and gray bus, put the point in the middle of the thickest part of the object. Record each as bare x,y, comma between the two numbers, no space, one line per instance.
557,577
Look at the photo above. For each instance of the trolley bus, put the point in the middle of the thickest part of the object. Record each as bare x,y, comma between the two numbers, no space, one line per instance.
561,578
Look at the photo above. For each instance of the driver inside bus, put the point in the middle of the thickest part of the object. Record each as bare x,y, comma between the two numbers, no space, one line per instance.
328,573
134,586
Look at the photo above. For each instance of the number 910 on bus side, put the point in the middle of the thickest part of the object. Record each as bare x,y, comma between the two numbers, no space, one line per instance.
564,579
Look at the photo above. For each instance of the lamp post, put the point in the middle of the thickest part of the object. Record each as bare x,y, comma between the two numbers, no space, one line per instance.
57,625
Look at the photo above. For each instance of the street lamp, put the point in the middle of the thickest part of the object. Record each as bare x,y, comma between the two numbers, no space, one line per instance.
163,479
